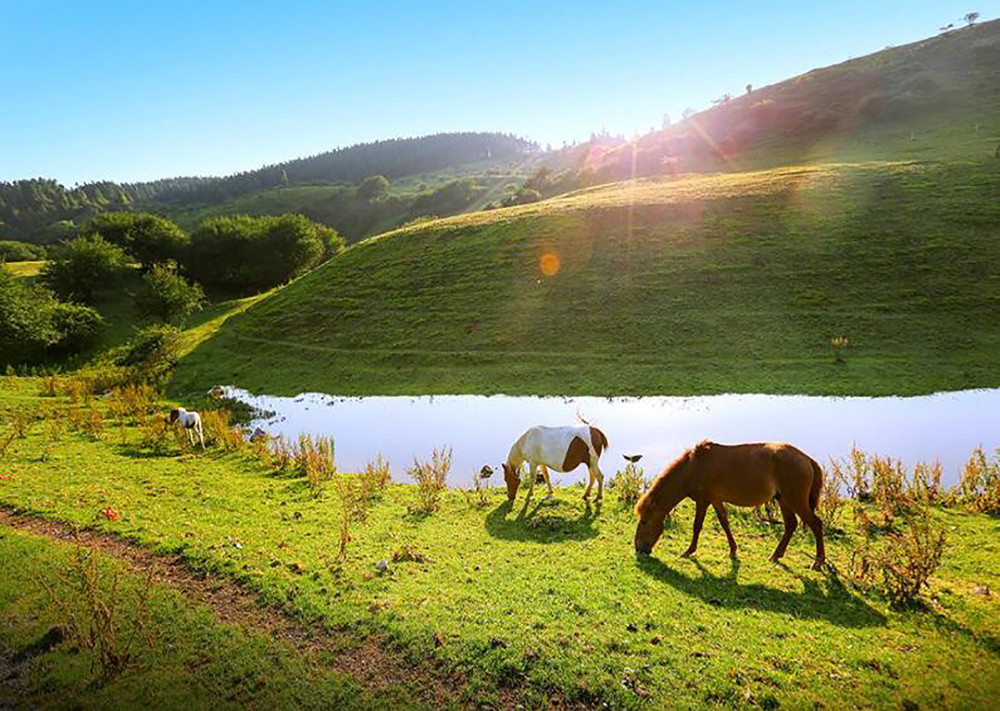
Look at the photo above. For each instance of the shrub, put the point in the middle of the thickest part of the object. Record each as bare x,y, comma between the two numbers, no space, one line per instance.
448,199
629,484
14,251
374,478
154,433
168,296
151,354
926,486
831,503
219,430
257,252
979,488
373,187
83,266
148,238
91,605
347,492
431,478
34,324
314,459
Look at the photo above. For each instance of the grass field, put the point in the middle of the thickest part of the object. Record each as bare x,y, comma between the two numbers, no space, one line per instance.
731,282
191,659
24,269
531,604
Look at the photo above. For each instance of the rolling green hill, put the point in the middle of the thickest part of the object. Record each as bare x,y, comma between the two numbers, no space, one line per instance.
704,283
699,282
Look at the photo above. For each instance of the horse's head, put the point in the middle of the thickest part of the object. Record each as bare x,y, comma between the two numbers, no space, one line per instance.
648,532
174,414
513,481
659,500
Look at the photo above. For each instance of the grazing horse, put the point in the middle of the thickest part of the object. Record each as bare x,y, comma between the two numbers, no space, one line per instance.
744,475
191,422
559,448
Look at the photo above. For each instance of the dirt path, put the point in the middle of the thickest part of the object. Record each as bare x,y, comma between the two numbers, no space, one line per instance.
369,664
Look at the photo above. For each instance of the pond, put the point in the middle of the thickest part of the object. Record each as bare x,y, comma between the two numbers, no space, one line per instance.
942,427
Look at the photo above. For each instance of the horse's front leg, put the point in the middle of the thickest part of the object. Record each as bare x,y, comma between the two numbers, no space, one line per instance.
532,475
590,483
699,520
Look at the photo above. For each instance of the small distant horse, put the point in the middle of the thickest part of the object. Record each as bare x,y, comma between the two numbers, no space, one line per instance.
744,475
560,448
191,422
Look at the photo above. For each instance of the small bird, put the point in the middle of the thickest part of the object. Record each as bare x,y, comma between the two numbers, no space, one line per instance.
632,457
486,472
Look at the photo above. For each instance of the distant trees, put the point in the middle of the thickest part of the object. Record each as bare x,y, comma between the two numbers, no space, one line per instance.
150,239
247,253
34,324
168,296
373,187
83,266
448,199
970,18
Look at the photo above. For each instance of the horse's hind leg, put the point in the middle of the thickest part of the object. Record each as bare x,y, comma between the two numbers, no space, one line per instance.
548,482
599,475
699,520
800,505
720,511
790,524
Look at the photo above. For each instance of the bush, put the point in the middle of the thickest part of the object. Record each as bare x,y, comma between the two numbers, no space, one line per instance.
151,354
979,488
169,296
448,199
257,252
373,187
34,324
902,566
13,251
314,459
84,266
629,484
148,238
431,478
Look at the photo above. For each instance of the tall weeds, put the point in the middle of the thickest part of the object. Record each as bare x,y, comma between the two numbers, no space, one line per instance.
431,478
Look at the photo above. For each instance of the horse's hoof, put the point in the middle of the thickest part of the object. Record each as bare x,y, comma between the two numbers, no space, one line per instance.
687,554
818,565
733,556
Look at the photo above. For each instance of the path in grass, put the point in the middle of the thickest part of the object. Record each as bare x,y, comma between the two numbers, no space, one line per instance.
205,641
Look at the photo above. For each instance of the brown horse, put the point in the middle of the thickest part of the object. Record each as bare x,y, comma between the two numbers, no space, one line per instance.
744,475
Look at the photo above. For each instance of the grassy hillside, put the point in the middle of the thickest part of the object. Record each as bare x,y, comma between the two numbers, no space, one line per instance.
540,602
694,284
936,99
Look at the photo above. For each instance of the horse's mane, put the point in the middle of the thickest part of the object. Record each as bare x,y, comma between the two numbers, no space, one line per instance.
655,493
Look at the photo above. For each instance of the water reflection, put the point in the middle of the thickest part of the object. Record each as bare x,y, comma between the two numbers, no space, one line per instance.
944,426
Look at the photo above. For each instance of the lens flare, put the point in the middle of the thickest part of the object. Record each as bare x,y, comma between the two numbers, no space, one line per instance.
549,264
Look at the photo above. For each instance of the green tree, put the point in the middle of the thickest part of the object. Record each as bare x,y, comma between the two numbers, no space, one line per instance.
373,187
248,253
149,238
84,266
14,251
34,324
168,295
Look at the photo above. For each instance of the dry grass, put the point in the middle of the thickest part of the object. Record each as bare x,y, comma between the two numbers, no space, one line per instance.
979,487
314,460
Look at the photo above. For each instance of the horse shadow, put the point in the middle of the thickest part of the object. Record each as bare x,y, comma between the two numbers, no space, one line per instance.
543,521
829,600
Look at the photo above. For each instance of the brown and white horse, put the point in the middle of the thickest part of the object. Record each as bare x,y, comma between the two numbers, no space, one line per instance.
560,448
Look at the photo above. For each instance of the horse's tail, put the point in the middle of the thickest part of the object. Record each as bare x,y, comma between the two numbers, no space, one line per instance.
816,490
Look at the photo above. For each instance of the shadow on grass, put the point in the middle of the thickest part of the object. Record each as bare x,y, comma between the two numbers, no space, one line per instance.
828,600
543,521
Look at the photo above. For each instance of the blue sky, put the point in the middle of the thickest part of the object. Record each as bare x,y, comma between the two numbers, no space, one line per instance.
139,90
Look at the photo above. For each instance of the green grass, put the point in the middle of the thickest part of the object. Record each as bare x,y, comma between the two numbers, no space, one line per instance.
24,269
193,661
731,282
547,600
